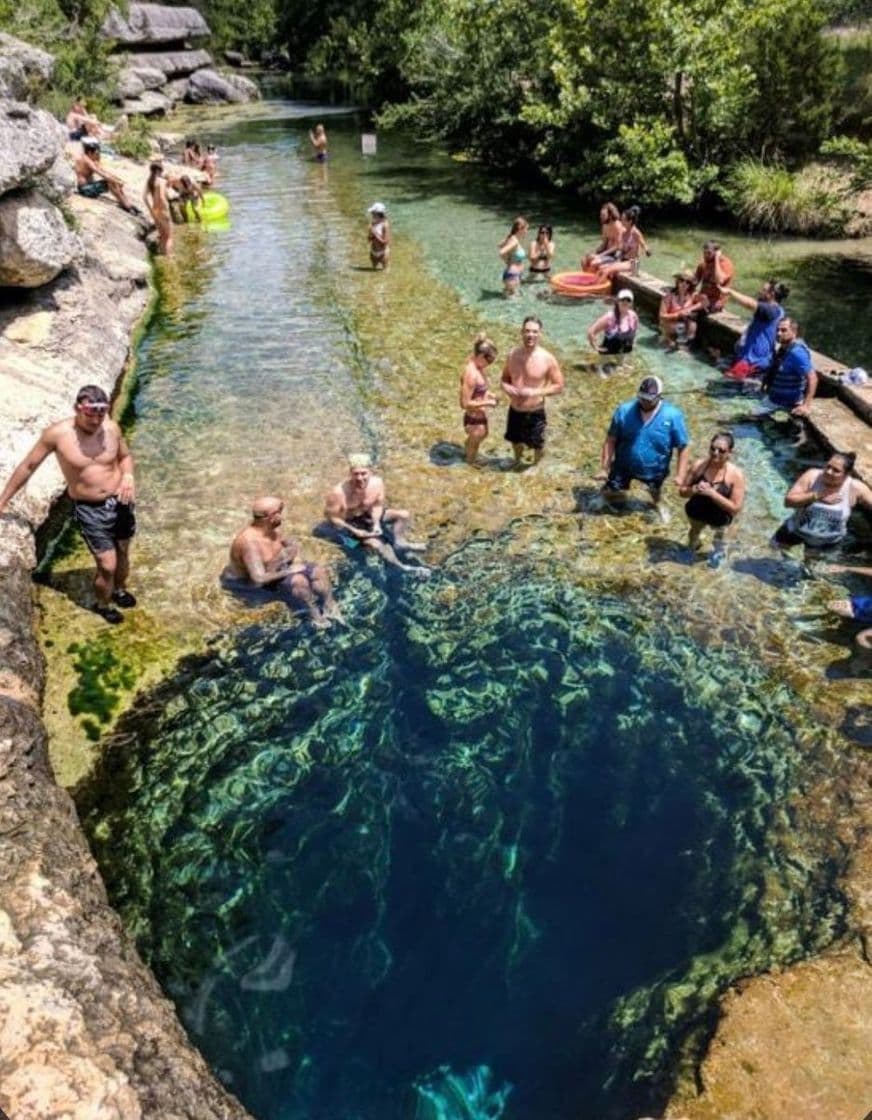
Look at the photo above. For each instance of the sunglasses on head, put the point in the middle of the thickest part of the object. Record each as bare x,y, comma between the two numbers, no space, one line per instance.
93,408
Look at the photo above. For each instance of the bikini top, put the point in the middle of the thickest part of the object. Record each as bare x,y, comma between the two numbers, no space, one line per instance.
724,488
518,254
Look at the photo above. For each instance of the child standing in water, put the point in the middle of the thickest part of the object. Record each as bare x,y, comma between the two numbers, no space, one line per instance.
475,396
379,236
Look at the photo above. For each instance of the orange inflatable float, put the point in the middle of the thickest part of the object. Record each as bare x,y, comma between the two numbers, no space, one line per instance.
580,285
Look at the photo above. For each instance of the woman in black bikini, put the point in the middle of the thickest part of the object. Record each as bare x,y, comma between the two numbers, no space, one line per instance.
715,489
475,397
541,253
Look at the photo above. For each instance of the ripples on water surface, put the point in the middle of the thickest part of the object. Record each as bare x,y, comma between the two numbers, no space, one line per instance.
494,848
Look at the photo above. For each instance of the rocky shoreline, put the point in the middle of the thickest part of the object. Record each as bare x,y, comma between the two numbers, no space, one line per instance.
85,1028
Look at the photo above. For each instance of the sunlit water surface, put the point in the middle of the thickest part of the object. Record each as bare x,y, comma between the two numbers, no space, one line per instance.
494,847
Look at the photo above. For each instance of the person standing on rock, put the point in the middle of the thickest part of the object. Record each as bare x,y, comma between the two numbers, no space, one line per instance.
155,198
93,179
531,374
98,468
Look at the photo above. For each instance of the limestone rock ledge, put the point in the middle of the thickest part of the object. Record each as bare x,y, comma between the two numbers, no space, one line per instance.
85,1032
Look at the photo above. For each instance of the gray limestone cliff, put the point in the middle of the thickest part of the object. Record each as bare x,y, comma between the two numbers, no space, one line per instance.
85,1031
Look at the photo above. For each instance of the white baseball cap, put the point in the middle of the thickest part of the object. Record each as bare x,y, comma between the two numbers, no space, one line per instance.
377,208
624,293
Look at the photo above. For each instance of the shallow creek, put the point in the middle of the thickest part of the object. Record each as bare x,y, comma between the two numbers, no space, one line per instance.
493,848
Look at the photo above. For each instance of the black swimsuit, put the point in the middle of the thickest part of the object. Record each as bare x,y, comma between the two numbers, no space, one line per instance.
700,507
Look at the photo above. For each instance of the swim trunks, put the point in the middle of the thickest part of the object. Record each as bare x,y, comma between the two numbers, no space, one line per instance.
527,428
103,524
618,480
321,157
93,189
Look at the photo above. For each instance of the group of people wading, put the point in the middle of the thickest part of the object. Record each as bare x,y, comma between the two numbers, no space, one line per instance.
645,433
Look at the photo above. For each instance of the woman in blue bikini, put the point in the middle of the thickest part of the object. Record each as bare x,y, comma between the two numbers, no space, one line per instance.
513,254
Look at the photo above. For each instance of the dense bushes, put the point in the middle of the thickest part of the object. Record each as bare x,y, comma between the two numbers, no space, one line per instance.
648,100
777,200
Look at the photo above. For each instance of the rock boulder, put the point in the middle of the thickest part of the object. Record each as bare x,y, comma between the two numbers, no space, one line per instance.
150,103
35,243
172,64
31,141
129,84
23,69
250,90
150,76
176,90
153,24
207,86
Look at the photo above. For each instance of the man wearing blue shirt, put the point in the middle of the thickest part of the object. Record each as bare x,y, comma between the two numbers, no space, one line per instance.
641,438
791,381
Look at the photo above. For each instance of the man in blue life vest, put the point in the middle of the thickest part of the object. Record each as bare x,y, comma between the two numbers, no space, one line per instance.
641,438
790,382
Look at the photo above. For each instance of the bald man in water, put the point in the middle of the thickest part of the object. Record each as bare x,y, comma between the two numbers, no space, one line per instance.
261,557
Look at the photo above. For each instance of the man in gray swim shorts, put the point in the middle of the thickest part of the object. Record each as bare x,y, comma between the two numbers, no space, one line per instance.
98,468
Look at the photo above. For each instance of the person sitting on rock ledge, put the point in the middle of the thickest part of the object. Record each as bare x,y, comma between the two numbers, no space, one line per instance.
357,509
93,179
80,123
261,558
98,468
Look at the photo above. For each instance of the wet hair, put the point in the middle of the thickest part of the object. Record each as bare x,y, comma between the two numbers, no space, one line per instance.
155,168
849,458
482,345
632,212
547,230
613,214
787,321
532,319
93,394
185,180
727,436
780,290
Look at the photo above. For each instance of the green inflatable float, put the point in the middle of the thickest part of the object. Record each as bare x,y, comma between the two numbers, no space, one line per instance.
213,208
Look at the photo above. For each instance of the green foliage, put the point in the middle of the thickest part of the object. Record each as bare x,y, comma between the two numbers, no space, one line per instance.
134,140
69,30
647,104
776,200
250,27
856,155
644,162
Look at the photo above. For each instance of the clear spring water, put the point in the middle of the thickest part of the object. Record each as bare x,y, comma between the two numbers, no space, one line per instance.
493,849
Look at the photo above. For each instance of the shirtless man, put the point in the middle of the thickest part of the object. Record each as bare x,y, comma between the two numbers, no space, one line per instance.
356,507
158,205
93,179
261,557
530,375
98,469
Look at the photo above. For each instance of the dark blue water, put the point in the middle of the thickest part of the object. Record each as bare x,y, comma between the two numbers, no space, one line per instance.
525,848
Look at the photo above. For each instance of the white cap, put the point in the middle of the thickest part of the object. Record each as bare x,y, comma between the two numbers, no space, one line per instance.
625,293
377,208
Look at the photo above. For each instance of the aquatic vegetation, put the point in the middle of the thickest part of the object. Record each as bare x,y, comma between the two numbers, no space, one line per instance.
544,840
102,677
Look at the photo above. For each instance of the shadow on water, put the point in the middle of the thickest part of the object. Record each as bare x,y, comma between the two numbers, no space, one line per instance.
511,840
